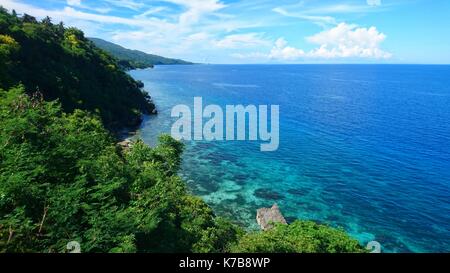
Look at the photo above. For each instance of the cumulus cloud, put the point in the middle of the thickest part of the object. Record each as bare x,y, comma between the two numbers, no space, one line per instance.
344,41
281,51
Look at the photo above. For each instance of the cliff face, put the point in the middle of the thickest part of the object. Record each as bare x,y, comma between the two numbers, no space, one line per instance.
266,217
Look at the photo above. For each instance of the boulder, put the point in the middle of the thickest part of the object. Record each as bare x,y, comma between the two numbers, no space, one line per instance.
266,217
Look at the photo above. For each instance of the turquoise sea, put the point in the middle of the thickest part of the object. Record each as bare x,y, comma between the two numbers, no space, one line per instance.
362,147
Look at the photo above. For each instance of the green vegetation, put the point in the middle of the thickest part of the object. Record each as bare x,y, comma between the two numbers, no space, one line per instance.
62,64
132,59
63,178
298,237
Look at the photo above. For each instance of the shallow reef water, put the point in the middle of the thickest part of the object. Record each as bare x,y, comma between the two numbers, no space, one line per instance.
362,147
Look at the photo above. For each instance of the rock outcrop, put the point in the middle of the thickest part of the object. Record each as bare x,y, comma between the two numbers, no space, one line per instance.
126,144
266,217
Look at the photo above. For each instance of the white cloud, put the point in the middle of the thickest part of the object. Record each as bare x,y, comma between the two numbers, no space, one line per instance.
150,12
242,40
342,41
79,4
374,3
73,13
340,8
128,4
74,2
196,9
319,20
323,14
202,28
281,51
74,17
345,41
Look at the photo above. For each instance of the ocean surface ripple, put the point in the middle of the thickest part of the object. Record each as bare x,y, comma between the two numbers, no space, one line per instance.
362,147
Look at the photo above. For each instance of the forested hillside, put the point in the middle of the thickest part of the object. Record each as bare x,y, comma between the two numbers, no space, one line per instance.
64,179
60,63
131,59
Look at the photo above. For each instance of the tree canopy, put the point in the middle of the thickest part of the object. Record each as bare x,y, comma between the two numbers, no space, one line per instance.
298,237
62,64
63,179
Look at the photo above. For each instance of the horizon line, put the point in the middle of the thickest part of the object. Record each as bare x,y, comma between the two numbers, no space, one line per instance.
194,63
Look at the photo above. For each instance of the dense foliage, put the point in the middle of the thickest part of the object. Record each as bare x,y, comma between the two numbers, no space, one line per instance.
132,59
62,179
62,64
298,237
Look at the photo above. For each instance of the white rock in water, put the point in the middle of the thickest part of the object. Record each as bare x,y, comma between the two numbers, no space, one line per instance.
266,217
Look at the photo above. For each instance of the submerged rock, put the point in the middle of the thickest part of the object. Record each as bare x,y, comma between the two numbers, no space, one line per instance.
266,217
268,194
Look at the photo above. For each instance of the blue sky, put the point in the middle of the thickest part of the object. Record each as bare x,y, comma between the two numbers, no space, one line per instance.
263,31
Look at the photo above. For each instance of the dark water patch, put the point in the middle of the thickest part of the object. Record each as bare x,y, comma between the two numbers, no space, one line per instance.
208,184
241,177
240,164
240,199
226,157
300,192
241,182
203,145
268,194
220,174
307,207
212,158
333,218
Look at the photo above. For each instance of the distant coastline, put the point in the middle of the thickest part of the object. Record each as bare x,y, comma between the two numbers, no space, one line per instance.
134,59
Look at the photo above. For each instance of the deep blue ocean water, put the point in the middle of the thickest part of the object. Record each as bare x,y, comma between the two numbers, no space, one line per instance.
362,147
